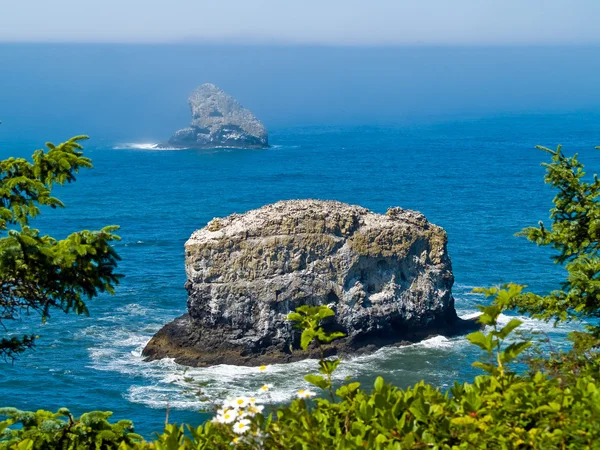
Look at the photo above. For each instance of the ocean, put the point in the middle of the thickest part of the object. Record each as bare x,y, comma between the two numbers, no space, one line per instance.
480,179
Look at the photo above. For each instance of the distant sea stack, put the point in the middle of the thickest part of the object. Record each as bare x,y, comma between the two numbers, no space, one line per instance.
219,121
387,277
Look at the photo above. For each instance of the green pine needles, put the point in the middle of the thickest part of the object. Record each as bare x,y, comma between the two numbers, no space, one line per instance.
39,273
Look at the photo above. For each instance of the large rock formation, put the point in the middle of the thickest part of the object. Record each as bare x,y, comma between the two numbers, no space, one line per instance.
387,277
218,120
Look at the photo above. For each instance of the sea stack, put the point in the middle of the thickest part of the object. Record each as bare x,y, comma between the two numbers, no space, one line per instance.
387,277
219,121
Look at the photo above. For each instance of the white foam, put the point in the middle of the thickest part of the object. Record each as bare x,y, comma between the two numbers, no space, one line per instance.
469,315
436,342
120,350
536,325
154,384
276,146
143,146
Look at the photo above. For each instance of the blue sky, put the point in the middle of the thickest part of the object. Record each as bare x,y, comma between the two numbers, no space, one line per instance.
321,22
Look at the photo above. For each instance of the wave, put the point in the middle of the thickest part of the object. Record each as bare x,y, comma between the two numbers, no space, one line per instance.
529,323
120,340
277,146
143,146
163,382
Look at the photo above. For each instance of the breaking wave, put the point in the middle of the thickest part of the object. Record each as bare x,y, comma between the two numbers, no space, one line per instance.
119,339
143,146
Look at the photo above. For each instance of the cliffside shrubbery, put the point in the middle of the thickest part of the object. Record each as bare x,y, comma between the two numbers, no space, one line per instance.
555,404
38,272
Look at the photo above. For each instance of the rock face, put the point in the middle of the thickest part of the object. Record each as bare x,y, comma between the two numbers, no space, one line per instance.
218,120
387,277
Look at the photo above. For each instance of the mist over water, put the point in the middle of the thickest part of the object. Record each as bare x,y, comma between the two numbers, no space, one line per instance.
427,129
139,92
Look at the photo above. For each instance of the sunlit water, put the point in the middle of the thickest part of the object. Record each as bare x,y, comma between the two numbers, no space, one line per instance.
480,180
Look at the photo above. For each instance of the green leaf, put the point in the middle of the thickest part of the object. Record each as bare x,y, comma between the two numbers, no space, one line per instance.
508,328
514,350
417,408
317,380
329,366
306,338
481,340
463,421
489,368
326,338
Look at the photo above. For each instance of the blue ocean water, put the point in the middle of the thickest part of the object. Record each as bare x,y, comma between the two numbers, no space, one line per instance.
480,179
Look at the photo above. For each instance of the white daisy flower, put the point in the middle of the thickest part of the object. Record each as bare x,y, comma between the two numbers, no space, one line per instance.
229,403
225,416
237,403
242,426
263,368
252,410
266,388
305,393
236,440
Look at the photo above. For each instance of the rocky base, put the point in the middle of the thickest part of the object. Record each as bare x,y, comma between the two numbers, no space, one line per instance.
180,340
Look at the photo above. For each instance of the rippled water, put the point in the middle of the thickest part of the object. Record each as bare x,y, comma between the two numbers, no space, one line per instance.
480,180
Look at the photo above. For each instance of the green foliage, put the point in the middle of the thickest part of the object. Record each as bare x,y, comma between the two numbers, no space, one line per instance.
60,430
499,410
575,235
309,320
38,272
498,357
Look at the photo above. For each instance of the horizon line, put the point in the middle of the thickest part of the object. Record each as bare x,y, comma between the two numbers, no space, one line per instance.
270,43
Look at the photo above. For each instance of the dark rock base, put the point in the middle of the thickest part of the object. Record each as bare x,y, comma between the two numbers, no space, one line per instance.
180,340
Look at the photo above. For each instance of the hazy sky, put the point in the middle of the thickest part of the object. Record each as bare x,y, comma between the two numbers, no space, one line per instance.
336,22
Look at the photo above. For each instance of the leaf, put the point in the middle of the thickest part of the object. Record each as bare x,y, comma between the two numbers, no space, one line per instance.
489,368
380,439
481,340
294,317
328,367
508,328
347,390
326,338
306,338
514,350
466,420
379,384
417,408
317,380
324,312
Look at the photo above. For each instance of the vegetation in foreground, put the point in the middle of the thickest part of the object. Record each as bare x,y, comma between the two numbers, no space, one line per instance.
38,272
555,404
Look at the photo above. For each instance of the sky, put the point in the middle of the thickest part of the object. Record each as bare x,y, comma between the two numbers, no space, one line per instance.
312,22
124,68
